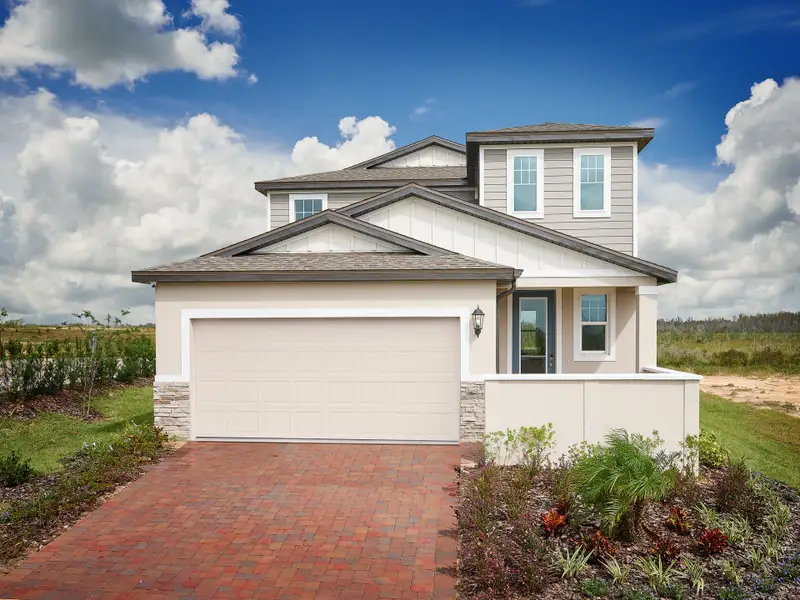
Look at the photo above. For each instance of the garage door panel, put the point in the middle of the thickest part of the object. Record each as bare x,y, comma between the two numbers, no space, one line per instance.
350,379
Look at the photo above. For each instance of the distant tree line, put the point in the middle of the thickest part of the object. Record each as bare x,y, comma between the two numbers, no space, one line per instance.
780,322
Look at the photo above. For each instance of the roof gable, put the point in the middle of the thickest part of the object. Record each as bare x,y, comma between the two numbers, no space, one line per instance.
328,217
618,259
330,238
415,150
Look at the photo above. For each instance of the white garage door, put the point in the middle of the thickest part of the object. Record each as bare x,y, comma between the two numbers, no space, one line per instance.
326,379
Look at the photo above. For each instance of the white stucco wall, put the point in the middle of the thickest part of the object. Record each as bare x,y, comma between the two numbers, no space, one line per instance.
585,409
172,298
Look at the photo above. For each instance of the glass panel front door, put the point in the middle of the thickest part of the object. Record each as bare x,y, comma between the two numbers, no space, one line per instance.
533,335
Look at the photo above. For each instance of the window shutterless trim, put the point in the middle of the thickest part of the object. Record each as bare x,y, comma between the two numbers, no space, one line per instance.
577,329
309,196
577,211
511,154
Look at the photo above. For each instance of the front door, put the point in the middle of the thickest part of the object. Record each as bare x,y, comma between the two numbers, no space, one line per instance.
534,332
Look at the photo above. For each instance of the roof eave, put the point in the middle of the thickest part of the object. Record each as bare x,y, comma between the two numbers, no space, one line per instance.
501,274
270,186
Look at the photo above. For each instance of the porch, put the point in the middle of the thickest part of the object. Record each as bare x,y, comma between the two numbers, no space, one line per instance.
584,359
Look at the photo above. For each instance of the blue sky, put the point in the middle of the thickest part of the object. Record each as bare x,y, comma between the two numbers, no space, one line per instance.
482,65
131,130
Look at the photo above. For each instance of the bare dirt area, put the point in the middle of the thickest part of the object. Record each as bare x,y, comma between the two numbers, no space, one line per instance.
778,392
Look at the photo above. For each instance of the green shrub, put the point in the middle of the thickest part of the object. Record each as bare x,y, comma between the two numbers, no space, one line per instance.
530,445
732,592
637,593
620,477
595,588
34,369
707,448
93,471
15,471
737,492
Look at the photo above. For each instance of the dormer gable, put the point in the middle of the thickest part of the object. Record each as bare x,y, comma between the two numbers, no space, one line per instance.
433,151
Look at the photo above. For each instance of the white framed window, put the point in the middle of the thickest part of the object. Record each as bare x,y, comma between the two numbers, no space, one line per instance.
302,206
525,182
593,324
592,182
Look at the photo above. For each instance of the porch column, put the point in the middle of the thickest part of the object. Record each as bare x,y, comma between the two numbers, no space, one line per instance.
646,334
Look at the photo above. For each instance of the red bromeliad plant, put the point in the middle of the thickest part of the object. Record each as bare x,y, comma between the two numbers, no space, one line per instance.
667,550
599,545
712,541
679,520
553,521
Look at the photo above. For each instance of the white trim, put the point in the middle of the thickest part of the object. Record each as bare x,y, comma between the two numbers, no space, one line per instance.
635,233
306,196
269,212
481,159
559,330
678,374
190,314
667,375
647,290
511,154
611,331
510,333
577,211
559,144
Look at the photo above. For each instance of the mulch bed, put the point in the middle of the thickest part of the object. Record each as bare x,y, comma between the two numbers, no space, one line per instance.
67,402
540,500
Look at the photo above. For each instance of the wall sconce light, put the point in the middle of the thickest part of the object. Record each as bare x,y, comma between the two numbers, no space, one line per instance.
477,321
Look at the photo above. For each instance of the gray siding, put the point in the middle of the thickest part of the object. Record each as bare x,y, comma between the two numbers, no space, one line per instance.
279,201
494,179
615,232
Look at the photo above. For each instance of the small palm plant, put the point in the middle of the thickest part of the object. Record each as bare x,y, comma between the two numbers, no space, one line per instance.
620,477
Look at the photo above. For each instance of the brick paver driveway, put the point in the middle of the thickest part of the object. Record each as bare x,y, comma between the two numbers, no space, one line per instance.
264,521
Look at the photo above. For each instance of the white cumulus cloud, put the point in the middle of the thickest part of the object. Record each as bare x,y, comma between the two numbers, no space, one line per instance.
102,43
733,234
85,197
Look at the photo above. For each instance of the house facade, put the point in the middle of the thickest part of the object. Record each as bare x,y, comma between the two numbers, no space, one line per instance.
431,294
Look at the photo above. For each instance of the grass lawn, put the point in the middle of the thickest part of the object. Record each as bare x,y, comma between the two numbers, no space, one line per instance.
769,440
51,436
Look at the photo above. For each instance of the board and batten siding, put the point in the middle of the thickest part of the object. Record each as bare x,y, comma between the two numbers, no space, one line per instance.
279,201
615,232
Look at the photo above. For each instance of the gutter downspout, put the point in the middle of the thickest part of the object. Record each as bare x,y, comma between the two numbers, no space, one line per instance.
500,296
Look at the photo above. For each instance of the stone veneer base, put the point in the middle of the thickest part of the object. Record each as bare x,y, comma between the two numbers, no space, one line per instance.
171,408
473,411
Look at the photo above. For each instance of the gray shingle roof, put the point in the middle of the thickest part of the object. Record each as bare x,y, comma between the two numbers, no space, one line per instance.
381,174
324,261
328,266
560,127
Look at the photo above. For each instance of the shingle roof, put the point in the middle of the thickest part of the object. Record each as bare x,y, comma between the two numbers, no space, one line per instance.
560,127
373,175
349,265
324,261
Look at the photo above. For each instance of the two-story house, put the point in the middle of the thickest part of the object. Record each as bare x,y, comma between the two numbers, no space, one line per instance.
429,295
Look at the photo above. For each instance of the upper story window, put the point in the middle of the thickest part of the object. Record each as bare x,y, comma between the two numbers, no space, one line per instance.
592,178
305,205
525,184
